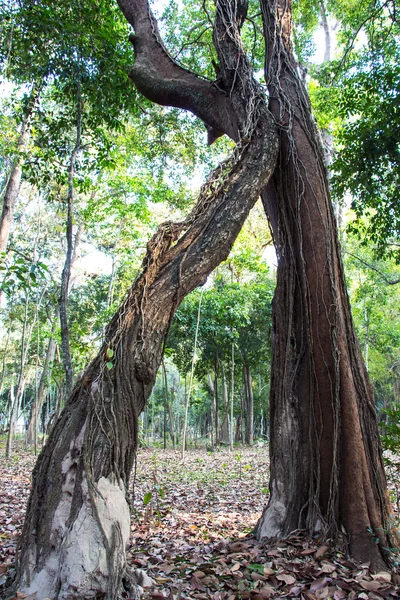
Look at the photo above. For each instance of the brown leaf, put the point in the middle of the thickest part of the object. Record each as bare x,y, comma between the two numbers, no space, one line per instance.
319,583
257,576
382,576
239,547
295,590
199,574
321,551
340,595
288,579
235,567
327,568
263,593
372,586
196,584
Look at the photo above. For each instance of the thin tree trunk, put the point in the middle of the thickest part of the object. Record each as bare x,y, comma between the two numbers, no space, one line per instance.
31,433
69,255
165,418
224,434
249,402
231,429
187,402
216,399
171,418
212,408
26,335
14,179
326,464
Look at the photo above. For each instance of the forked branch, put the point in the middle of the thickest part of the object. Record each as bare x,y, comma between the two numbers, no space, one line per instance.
162,80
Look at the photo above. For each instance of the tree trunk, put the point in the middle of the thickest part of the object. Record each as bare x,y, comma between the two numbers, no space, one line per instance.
212,409
14,179
232,398
224,433
171,418
77,523
249,402
326,464
70,255
25,341
216,399
187,399
31,433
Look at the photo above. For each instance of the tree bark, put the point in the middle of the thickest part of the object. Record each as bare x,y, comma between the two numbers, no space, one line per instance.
326,463
77,523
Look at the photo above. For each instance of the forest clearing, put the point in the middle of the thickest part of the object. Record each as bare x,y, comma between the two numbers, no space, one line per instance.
193,538
200,299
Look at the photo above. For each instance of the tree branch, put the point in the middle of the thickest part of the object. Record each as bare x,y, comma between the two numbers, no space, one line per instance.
382,275
158,77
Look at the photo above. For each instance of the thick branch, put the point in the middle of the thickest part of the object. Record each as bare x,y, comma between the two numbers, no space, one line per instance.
158,77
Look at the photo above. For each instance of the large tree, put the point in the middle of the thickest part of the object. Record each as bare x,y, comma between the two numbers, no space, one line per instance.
327,473
326,463
78,523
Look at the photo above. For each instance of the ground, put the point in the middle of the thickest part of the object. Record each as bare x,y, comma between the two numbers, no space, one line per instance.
191,532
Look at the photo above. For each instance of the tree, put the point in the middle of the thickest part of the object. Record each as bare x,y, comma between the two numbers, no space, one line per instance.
326,463
326,466
90,452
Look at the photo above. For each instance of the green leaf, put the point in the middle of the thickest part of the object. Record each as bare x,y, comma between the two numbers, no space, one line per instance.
109,365
147,498
110,352
162,494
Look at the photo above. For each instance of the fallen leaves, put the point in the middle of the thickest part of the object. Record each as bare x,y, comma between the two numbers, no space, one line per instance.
189,543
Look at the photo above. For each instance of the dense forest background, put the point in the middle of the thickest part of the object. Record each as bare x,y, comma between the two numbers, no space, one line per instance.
89,169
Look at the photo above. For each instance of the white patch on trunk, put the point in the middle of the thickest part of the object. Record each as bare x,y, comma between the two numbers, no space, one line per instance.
272,519
44,582
79,565
85,565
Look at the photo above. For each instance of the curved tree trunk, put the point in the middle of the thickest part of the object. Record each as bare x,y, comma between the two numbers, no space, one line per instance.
78,523
326,463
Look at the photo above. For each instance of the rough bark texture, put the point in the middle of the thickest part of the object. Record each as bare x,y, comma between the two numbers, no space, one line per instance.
326,463
77,523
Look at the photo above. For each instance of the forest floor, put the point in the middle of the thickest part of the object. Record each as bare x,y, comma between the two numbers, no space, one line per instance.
191,532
